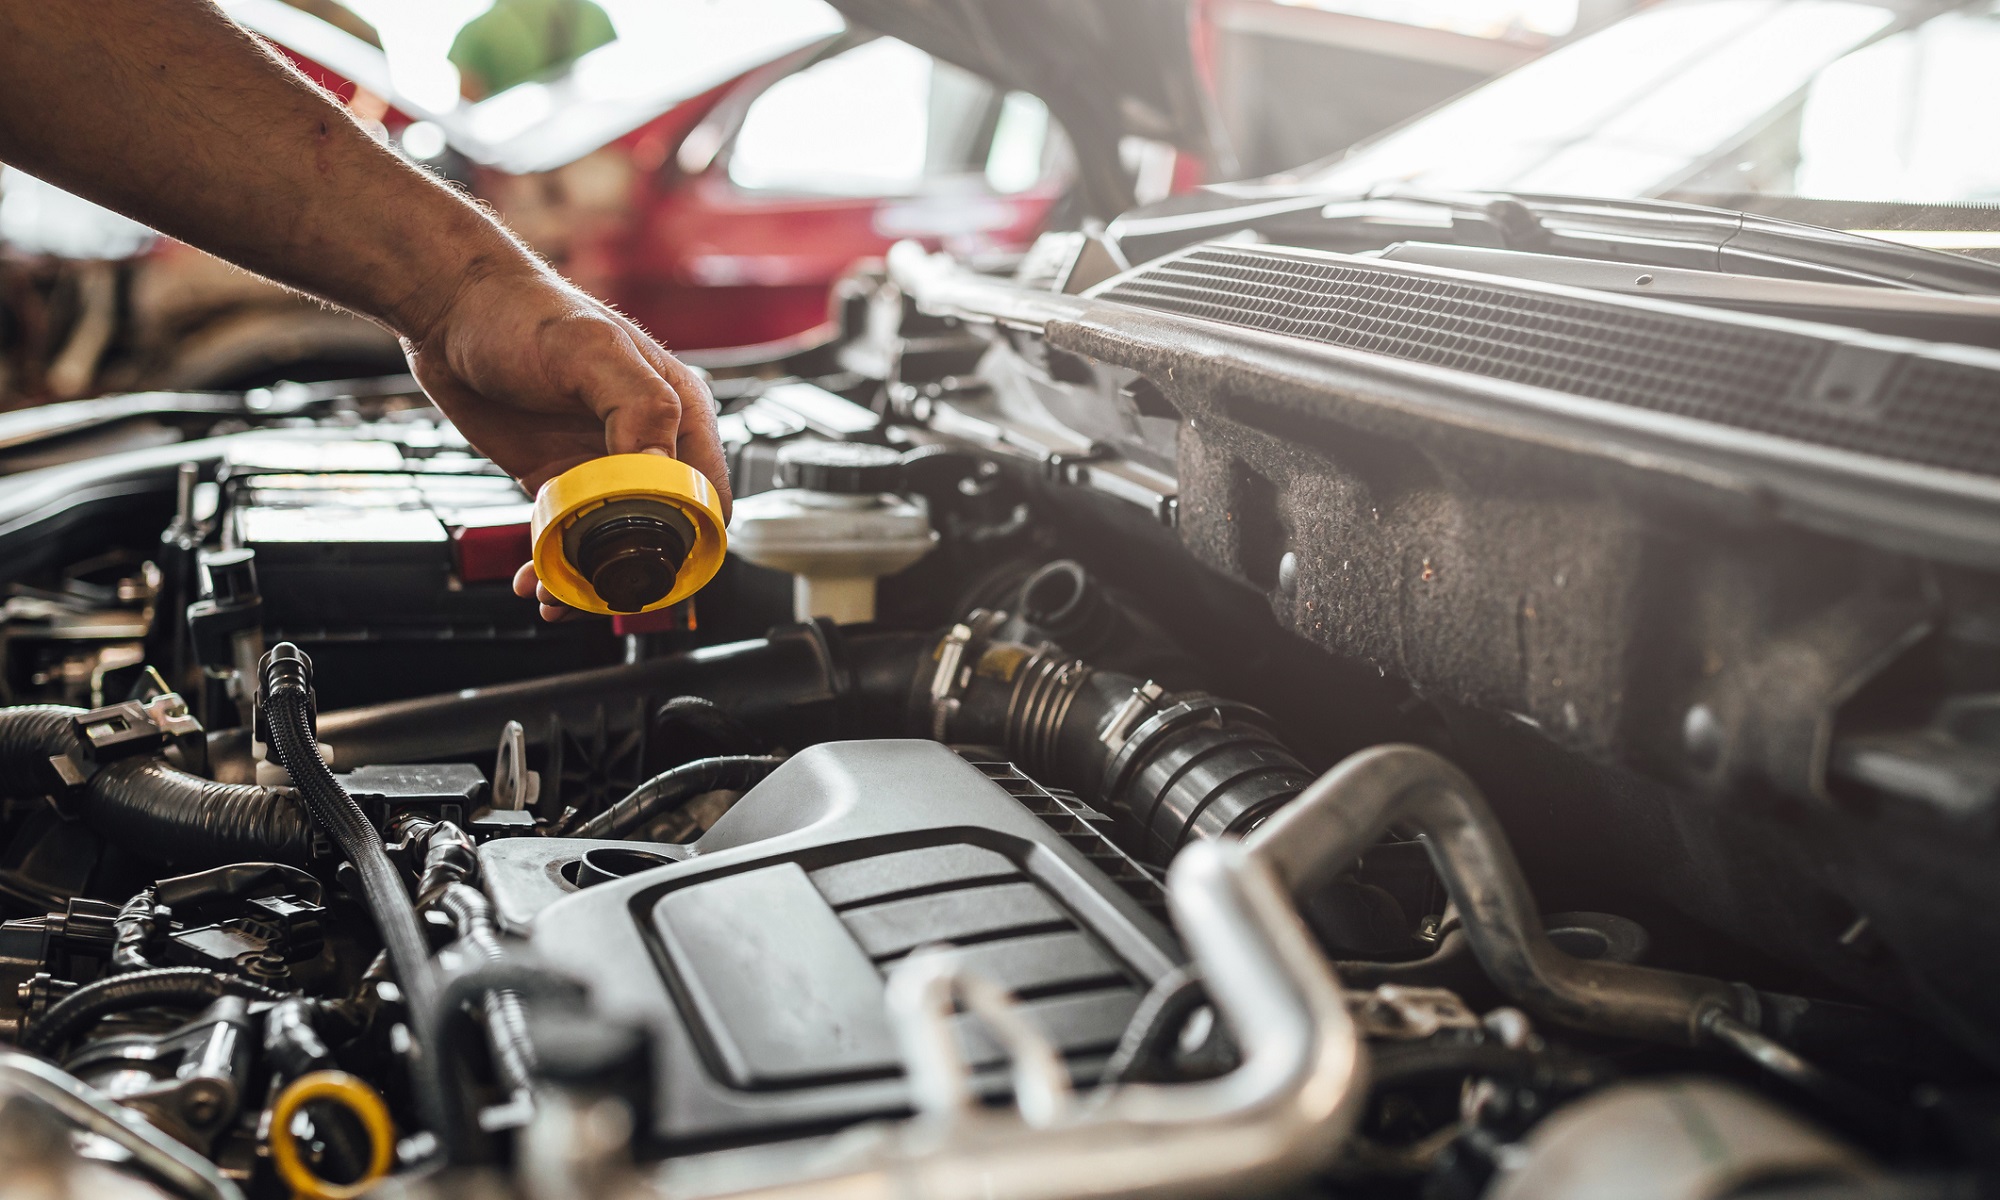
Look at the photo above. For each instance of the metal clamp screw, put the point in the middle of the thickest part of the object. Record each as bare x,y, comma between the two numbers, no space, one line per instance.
1136,708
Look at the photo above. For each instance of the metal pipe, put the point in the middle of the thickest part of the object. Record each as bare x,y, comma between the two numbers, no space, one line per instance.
1349,808
1282,1113
926,991
166,1159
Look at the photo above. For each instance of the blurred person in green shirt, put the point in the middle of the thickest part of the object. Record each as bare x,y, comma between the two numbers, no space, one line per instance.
519,40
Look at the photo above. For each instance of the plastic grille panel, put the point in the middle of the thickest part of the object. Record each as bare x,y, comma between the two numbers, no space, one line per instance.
1084,828
1930,412
1943,413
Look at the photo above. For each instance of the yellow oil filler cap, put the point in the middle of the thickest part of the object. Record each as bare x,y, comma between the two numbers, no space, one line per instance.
628,533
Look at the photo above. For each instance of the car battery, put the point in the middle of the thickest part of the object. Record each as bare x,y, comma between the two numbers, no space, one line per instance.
401,546
364,531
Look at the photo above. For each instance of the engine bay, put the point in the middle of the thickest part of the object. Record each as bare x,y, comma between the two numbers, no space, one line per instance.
1145,740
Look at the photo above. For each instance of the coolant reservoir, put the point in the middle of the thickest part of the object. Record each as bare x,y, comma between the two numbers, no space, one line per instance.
837,524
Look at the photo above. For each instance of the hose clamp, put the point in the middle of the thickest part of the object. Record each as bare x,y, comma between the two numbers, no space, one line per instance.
955,656
949,679
1137,707
136,727
127,730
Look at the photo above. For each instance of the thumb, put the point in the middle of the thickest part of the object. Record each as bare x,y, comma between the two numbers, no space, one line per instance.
646,414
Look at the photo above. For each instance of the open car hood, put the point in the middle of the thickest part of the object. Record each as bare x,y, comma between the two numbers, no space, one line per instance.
1108,69
611,91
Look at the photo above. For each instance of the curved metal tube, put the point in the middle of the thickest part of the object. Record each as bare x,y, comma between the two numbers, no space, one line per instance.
1350,807
1284,1111
166,1159
925,990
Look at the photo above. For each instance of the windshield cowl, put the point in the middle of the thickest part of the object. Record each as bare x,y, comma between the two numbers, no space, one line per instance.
1653,232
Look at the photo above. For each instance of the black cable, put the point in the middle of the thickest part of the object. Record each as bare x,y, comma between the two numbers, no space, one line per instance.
287,713
457,1133
133,930
670,789
189,986
708,719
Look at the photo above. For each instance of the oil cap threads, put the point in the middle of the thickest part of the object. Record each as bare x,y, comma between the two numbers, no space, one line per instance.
627,533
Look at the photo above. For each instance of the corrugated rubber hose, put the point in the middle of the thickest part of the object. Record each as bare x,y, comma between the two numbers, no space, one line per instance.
151,809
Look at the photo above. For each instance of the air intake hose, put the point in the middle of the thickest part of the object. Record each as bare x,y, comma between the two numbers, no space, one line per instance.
152,809
1173,767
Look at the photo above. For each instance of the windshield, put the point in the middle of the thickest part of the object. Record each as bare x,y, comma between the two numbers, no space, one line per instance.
1729,102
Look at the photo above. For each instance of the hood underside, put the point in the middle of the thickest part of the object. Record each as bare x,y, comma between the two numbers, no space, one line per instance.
1108,69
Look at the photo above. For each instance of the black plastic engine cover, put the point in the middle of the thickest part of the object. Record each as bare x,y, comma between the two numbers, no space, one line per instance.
758,954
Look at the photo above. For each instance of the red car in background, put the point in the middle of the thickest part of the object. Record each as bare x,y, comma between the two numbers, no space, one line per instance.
715,174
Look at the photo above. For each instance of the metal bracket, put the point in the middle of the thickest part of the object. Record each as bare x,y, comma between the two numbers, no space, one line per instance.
515,787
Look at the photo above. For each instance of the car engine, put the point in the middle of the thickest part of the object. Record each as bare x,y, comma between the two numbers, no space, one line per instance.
1149,738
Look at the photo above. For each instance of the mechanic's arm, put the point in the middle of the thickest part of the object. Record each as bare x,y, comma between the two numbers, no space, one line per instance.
166,111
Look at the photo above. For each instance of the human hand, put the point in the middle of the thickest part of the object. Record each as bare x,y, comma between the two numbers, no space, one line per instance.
541,377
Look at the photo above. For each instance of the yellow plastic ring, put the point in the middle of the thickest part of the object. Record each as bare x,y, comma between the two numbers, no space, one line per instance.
358,1098
600,481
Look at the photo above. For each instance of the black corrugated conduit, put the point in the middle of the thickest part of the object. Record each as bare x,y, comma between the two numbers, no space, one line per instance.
148,807
1173,767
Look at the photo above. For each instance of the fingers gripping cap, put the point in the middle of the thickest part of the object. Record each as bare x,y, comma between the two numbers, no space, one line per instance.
628,533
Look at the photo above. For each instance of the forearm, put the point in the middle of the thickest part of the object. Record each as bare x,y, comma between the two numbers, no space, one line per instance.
169,113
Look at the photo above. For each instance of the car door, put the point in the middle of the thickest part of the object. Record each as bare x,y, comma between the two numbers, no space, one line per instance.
786,187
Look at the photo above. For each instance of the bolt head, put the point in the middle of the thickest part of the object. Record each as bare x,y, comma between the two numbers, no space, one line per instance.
1702,737
203,1104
